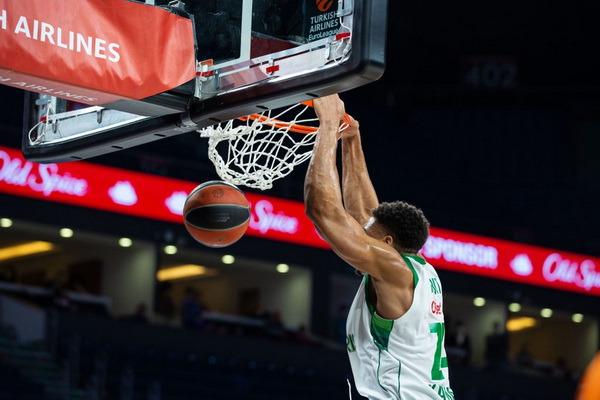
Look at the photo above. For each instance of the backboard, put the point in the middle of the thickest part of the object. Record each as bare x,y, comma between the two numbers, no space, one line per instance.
251,55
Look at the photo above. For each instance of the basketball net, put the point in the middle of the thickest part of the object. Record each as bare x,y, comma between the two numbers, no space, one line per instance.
256,150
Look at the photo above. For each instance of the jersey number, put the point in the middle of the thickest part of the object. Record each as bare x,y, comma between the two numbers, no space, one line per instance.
439,362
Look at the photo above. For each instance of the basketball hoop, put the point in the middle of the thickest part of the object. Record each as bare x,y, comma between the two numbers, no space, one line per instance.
258,149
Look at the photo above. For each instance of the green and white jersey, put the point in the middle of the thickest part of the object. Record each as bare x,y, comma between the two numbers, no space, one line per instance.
403,358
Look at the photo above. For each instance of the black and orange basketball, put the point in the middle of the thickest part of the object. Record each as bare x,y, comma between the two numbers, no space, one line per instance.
216,213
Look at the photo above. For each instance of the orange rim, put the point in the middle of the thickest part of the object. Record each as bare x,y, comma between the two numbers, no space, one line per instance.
287,125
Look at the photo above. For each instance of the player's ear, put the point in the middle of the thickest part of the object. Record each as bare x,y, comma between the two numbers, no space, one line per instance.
388,239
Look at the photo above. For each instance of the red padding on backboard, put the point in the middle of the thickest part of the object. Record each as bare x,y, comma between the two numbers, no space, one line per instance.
94,51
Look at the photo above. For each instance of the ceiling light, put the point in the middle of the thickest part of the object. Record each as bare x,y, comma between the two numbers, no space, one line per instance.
283,268
125,242
479,301
5,222
228,259
577,318
66,232
514,307
546,312
25,249
183,271
170,249
518,324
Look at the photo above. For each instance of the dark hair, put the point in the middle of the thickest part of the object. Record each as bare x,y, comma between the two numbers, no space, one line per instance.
405,223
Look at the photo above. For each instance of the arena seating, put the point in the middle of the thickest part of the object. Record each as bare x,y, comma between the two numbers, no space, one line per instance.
127,360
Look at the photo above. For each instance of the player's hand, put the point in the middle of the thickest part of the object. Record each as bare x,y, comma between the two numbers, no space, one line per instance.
330,110
353,128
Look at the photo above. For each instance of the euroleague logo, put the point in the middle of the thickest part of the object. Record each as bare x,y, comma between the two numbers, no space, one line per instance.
324,5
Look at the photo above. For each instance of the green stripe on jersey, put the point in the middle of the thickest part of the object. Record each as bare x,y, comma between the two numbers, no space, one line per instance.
407,261
418,259
381,328
379,365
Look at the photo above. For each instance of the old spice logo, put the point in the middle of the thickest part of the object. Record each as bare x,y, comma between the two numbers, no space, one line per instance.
263,219
521,265
123,193
176,201
584,274
41,178
324,5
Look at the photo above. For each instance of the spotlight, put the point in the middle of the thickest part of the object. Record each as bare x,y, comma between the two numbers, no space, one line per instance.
5,222
577,318
479,301
546,312
170,249
66,232
228,259
125,242
520,323
283,268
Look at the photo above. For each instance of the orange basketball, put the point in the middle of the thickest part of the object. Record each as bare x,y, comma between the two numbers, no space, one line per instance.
216,213
589,385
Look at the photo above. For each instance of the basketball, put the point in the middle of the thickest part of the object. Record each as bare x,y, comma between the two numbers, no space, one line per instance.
216,214
589,385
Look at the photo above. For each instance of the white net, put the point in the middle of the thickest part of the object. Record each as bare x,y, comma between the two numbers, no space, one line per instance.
257,150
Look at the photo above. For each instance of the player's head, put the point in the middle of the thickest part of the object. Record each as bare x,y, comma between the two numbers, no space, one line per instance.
403,222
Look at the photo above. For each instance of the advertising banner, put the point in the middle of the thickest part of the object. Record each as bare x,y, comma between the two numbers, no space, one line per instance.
511,261
94,52
142,195
148,196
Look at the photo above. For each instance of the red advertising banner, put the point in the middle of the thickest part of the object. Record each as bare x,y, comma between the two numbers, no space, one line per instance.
142,195
515,262
94,52
149,196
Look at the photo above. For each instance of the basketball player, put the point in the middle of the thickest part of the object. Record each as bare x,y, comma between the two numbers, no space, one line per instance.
395,326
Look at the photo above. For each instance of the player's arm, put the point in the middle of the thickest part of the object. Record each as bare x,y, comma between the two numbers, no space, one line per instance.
324,207
358,191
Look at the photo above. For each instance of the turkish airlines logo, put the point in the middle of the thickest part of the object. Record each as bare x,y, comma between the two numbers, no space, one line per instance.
41,178
324,5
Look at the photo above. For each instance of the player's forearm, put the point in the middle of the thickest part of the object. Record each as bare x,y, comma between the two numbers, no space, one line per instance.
359,194
322,193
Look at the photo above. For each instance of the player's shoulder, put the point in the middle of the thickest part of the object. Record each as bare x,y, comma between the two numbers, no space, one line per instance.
398,262
416,263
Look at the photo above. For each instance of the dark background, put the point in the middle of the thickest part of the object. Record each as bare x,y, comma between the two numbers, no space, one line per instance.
486,117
